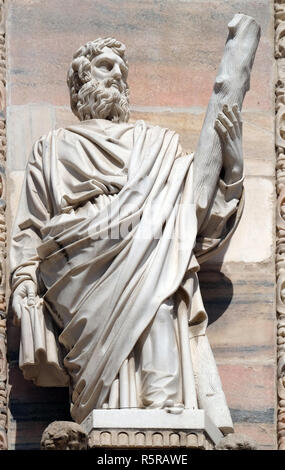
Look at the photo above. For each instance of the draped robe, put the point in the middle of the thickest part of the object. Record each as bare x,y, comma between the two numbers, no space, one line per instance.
107,229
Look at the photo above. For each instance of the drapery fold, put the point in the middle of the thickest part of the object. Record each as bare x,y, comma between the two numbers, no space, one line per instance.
109,213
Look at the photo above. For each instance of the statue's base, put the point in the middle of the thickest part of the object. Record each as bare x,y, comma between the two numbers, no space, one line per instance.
138,428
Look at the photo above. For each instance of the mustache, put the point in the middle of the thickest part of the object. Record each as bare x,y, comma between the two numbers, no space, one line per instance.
108,82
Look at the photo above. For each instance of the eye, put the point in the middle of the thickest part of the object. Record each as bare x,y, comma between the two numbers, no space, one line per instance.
104,65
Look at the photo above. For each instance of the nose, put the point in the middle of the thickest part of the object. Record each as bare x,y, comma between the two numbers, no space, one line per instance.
116,72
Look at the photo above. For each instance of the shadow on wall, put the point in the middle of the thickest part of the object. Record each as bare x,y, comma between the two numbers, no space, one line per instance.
216,290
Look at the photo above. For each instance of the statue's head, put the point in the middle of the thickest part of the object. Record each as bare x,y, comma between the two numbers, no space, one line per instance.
97,81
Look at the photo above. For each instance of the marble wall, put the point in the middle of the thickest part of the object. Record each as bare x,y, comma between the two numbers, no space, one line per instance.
174,48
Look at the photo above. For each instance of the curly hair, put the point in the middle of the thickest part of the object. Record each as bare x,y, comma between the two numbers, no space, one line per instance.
79,72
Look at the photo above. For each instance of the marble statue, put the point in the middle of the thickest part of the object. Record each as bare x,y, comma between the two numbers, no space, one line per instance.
113,223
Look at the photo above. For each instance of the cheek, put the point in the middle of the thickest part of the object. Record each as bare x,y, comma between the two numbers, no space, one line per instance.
98,74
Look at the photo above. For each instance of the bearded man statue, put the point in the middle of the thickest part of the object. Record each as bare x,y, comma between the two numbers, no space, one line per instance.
106,248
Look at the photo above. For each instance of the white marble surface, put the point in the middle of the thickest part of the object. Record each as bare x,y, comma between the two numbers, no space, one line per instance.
188,420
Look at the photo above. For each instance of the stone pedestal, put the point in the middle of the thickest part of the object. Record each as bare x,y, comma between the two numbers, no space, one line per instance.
137,428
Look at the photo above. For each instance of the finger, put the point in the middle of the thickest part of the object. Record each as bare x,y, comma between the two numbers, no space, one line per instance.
222,131
229,113
238,116
31,291
227,124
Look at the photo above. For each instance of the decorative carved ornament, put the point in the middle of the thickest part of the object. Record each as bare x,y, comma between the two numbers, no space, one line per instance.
3,359
280,217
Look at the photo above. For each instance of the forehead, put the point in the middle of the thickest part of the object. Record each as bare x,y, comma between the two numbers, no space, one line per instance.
108,53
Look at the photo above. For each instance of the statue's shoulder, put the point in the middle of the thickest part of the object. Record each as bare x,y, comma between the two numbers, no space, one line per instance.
59,135
98,125
105,126
48,136
92,128
150,125
155,129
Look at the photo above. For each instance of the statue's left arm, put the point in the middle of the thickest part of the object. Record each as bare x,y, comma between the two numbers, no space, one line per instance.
226,207
231,84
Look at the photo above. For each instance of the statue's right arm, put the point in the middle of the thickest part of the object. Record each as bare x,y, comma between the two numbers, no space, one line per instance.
26,290
33,213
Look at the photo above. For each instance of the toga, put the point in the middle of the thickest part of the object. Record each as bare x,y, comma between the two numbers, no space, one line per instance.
107,229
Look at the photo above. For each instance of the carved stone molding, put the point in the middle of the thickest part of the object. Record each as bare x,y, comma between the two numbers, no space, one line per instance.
3,360
153,428
128,439
280,216
279,29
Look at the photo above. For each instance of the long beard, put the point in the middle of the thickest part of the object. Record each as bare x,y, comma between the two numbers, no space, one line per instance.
103,101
